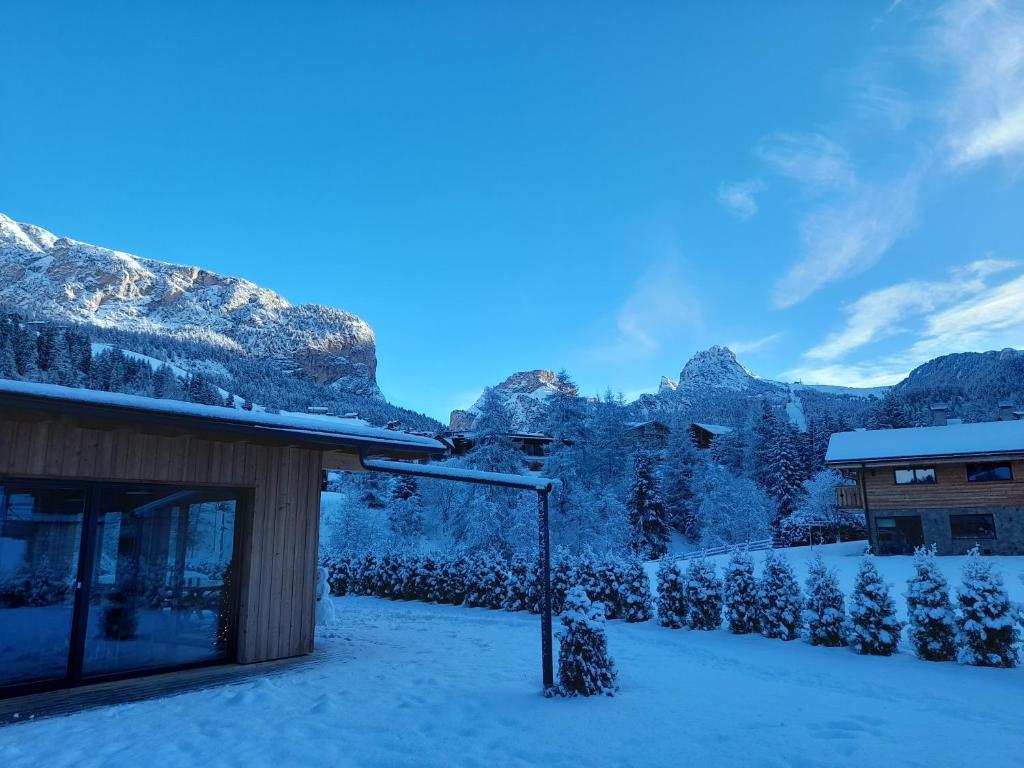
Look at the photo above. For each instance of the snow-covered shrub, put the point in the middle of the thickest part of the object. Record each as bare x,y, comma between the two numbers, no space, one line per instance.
424,580
563,578
585,575
451,581
584,666
703,595
824,606
779,602
931,623
634,593
739,593
671,595
610,577
987,635
732,510
485,581
339,574
364,574
518,584
873,627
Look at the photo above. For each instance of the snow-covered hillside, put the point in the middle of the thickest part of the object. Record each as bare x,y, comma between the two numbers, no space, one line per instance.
523,394
57,278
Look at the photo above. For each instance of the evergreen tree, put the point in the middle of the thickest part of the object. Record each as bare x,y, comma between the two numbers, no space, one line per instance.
165,383
740,594
703,595
649,539
873,627
987,635
824,607
519,584
24,348
611,578
678,472
931,622
563,578
635,593
671,595
8,365
584,666
779,601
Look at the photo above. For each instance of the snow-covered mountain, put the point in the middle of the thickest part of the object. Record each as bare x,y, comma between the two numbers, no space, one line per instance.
59,279
523,394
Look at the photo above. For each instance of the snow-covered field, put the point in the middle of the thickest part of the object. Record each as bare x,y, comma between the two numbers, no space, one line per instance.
410,684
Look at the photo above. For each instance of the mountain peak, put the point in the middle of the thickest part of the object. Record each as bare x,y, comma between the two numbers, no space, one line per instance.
716,366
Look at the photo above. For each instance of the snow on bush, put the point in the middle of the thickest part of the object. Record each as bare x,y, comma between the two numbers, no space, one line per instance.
610,575
485,581
634,593
563,578
779,602
873,626
703,595
739,593
584,666
931,622
987,635
671,595
518,585
824,607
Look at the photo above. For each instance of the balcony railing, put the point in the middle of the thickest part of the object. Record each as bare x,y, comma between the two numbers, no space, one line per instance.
848,497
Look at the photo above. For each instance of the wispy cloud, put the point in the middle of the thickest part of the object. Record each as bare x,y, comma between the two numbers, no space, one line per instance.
755,345
739,197
983,42
963,313
809,158
661,306
879,314
844,238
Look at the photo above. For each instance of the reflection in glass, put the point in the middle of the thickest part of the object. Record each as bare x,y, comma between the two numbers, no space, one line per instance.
40,536
161,576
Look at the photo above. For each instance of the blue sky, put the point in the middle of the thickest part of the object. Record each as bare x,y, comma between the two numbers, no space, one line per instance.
834,189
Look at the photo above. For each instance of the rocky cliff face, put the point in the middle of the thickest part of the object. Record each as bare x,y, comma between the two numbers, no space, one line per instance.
60,279
523,394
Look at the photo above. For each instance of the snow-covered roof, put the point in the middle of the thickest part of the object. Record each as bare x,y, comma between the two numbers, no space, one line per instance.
312,428
990,438
715,429
642,424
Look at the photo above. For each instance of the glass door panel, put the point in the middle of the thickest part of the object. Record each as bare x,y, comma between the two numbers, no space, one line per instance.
40,537
160,592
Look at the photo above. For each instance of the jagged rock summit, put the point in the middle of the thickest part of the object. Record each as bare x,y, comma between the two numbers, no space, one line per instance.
714,367
523,394
64,280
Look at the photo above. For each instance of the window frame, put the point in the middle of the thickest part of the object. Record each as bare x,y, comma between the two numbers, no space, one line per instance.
915,470
991,465
973,537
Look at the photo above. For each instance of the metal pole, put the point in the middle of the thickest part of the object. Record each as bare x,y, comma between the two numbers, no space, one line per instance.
545,590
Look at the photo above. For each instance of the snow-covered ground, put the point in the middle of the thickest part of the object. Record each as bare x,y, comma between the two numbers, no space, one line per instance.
410,684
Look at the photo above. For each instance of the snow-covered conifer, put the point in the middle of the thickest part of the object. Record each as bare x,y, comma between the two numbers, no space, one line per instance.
584,666
610,575
647,515
824,606
517,584
671,595
634,596
703,595
873,626
563,578
739,594
987,635
931,623
779,602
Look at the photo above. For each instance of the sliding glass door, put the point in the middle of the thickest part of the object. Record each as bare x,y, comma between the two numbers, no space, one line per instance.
107,580
40,539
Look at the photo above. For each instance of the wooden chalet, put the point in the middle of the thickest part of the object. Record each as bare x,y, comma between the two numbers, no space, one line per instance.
953,485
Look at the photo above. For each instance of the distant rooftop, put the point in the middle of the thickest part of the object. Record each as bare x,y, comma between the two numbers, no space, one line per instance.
325,431
990,438
715,429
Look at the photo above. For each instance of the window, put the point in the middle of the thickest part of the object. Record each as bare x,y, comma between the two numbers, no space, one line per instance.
916,476
985,473
972,526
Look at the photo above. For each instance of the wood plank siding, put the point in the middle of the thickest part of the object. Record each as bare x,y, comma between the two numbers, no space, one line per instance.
278,532
950,489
